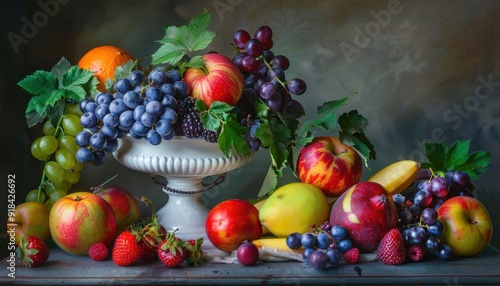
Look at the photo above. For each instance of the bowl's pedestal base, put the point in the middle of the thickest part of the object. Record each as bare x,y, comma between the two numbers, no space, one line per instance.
185,211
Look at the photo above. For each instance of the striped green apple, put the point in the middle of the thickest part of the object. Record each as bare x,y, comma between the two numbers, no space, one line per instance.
81,219
329,165
467,225
219,80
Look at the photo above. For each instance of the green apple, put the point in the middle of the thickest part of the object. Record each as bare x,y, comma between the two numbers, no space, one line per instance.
467,225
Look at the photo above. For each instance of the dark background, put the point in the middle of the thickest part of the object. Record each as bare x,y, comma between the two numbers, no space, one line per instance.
419,69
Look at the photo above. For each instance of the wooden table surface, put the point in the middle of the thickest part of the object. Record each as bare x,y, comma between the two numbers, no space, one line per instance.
62,268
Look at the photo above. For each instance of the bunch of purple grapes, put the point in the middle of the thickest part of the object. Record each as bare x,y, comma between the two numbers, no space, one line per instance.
143,110
264,73
418,205
322,246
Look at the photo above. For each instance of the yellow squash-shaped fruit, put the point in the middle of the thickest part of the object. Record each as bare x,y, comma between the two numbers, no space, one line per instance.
397,176
294,207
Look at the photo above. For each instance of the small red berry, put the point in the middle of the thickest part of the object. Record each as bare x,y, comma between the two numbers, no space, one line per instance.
98,251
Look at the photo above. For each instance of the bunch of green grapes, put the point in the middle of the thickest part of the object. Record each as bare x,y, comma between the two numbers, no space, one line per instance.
57,148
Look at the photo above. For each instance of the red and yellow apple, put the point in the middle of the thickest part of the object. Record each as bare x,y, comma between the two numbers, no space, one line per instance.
219,80
81,219
231,222
467,225
124,204
368,212
29,218
330,165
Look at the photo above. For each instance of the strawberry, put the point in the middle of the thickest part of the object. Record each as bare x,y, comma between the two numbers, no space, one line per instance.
129,248
391,249
98,251
153,233
416,253
32,251
195,253
172,251
351,256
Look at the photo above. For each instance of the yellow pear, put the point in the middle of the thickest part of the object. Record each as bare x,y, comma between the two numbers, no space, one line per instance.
258,205
294,207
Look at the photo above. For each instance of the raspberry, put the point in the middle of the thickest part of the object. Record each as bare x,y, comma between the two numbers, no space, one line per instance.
191,125
416,253
98,251
210,136
351,256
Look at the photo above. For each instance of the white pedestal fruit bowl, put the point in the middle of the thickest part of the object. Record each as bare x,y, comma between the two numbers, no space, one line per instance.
184,162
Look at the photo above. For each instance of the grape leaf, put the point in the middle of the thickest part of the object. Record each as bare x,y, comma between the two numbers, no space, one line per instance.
269,184
353,126
264,133
231,137
39,83
456,157
59,69
63,82
179,41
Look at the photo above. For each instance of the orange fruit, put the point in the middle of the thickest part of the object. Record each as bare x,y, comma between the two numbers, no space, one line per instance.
103,61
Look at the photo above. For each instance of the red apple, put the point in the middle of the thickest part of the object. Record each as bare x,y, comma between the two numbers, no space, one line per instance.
29,218
231,222
124,204
330,165
81,219
368,212
219,80
467,225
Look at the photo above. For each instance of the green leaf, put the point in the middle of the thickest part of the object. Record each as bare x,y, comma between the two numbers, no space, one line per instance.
179,41
456,157
125,69
279,155
202,41
33,118
75,76
436,154
352,122
59,69
199,24
457,154
476,164
230,137
360,143
269,184
330,106
261,109
196,62
220,108
41,82
168,53
200,105
264,133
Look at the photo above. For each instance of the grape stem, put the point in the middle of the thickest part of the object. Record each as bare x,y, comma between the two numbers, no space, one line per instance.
44,179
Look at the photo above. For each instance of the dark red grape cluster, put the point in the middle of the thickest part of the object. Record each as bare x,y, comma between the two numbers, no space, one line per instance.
417,210
264,72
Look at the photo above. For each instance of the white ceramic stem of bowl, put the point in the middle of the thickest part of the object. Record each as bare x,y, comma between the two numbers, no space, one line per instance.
184,163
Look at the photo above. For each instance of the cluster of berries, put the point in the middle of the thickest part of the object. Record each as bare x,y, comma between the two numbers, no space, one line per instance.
324,245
